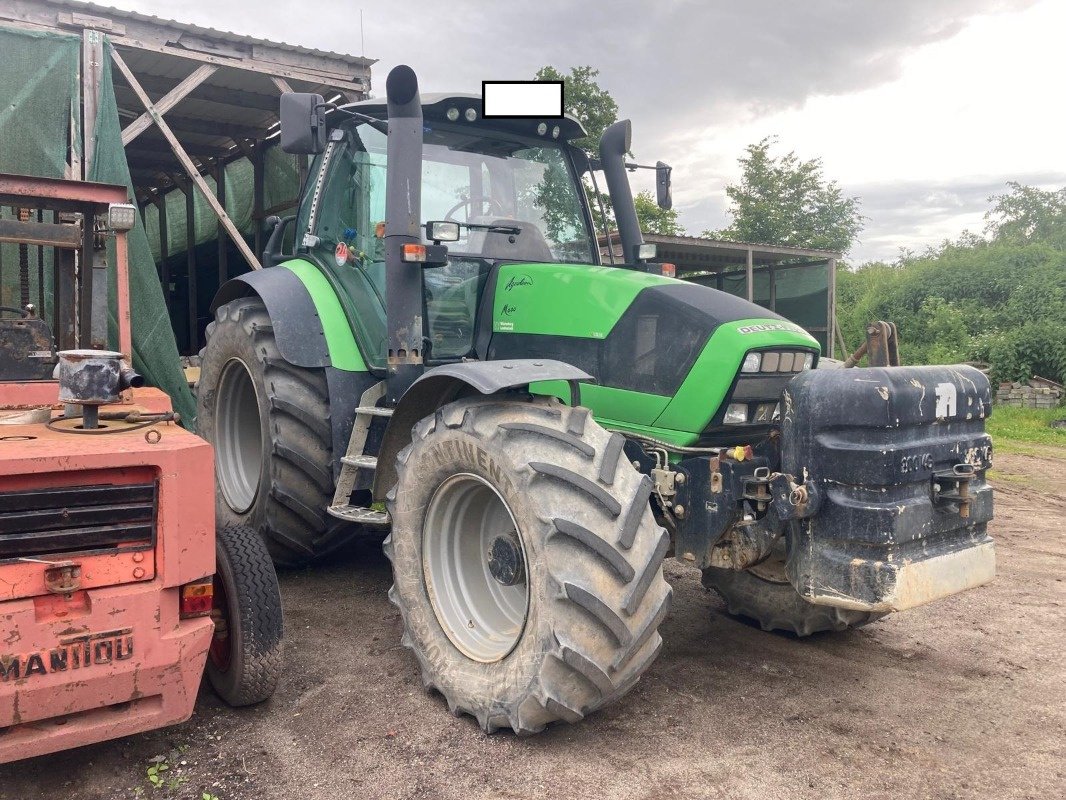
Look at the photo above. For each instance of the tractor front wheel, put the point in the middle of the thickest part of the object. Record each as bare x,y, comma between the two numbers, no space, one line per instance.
764,594
526,560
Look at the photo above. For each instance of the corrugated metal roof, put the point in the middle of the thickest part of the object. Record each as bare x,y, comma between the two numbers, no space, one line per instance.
229,36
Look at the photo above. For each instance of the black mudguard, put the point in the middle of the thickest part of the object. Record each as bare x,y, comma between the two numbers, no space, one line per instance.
895,459
301,339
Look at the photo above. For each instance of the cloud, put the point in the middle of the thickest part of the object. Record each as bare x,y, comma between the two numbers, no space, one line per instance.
903,114
917,214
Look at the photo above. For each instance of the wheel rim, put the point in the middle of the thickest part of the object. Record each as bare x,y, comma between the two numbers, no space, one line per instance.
238,437
466,523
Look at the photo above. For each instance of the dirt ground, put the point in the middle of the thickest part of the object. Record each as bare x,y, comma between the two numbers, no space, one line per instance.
963,698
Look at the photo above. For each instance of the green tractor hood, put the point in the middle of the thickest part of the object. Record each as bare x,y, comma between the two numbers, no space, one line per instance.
667,353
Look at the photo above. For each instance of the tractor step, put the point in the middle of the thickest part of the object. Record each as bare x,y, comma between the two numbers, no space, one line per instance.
360,515
360,462
355,462
374,411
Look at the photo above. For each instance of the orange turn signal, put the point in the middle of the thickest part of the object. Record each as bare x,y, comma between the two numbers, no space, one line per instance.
414,252
669,270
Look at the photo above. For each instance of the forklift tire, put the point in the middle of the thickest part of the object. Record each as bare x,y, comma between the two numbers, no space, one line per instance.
269,424
527,562
245,659
764,594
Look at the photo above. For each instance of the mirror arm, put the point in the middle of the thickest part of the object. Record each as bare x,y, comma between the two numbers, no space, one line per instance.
272,254
376,124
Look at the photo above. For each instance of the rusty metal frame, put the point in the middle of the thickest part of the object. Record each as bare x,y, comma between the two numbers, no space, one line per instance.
58,193
87,198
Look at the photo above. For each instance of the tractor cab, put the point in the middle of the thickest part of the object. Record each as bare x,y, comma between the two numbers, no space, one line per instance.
509,190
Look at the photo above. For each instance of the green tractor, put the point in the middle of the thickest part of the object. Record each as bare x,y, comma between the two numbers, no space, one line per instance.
441,353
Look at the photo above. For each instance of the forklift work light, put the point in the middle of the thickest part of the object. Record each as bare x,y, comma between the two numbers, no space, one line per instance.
121,216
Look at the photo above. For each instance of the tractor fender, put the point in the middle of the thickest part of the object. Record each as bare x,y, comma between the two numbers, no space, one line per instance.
297,327
441,385
301,340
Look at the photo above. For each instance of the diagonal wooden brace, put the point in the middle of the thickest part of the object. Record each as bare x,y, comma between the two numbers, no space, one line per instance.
186,162
167,102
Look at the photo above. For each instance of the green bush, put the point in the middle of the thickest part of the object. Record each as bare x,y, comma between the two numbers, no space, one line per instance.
997,302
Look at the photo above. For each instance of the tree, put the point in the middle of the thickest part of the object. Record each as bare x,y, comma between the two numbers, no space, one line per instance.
586,101
1026,214
787,201
654,219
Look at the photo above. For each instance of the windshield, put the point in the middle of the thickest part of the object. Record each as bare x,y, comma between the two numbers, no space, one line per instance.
519,199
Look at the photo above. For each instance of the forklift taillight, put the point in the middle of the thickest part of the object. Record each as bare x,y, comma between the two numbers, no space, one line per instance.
197,598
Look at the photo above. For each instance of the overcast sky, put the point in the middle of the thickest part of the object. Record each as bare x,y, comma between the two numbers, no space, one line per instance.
922,108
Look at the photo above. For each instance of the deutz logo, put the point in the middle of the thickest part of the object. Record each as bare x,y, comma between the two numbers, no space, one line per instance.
946,400
73,653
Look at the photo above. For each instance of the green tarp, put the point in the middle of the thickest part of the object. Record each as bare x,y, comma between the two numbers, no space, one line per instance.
155,354
39,123
40,110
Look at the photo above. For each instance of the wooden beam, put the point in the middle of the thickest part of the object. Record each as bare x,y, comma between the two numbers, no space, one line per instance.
45,234
149,144
167,102
282,84
190,261
831,322
187,164
92,64
160,202
751,277
219,95
149,157
220,194
258,159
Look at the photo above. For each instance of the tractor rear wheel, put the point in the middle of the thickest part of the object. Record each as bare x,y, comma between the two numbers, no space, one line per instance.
764,594
269,424
526,560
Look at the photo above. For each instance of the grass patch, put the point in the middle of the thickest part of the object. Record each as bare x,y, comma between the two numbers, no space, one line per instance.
1008,425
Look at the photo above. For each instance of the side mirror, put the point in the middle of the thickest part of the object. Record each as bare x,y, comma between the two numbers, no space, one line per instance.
303,123
662,186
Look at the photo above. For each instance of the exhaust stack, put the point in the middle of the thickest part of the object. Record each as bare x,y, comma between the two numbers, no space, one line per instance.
614,144
403,215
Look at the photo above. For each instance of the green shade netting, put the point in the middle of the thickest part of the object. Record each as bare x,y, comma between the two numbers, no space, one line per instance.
39,123
40,128
155,353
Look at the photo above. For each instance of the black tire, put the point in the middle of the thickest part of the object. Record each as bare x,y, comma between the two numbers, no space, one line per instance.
593,556
292,456
245,660
764,595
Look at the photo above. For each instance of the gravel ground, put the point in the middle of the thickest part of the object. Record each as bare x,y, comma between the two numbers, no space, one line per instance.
963,698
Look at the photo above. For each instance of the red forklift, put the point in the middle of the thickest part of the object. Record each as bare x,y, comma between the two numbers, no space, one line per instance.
117,594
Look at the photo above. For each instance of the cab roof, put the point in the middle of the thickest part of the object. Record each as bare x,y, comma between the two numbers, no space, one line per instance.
436,104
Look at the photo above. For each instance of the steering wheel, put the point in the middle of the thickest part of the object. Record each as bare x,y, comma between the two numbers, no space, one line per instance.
22,312
469,202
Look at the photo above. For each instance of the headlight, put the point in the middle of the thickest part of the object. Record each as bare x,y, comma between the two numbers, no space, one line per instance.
808,361
736,414
752,362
